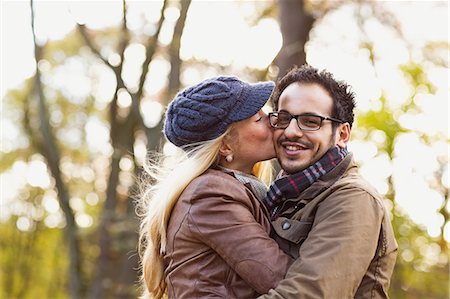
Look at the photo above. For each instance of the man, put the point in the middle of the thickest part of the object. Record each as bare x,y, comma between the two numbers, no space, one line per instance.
324,214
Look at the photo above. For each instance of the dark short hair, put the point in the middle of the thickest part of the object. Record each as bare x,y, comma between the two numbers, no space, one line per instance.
340,92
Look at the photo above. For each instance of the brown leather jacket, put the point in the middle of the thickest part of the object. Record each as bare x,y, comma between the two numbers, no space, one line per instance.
218,243
342,239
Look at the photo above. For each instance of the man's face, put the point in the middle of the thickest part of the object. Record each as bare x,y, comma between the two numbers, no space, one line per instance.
297,149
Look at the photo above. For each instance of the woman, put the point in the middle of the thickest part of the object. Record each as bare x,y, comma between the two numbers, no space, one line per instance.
204,231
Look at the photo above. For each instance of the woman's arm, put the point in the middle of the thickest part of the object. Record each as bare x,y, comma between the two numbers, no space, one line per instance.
223,217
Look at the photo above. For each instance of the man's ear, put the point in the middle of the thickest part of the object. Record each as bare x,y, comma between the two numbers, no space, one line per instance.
343,135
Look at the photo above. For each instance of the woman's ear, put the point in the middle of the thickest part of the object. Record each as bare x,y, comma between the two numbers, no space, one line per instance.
225,148
343,135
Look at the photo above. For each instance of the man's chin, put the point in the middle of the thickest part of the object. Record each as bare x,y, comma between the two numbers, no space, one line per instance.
292,167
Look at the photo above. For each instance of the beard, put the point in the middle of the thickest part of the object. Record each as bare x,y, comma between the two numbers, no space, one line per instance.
302,161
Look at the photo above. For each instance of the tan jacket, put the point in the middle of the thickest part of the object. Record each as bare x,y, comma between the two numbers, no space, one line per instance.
342,239
218,242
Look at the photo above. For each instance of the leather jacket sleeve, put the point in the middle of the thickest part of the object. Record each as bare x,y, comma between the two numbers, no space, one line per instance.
338,250
223,216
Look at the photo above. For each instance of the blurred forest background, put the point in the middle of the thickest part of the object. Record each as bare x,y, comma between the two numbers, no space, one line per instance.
77,128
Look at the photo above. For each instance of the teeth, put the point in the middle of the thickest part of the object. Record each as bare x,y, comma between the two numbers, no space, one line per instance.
292,148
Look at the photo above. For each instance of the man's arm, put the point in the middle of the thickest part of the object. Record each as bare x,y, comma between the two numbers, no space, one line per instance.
338,250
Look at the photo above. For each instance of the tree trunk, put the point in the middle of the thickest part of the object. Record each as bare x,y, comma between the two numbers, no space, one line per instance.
51,153
174,51
115,273
295,25
130,259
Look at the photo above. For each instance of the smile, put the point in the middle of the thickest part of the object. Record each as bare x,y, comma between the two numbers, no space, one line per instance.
292,149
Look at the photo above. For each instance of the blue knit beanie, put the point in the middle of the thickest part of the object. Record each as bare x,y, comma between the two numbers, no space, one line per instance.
204,111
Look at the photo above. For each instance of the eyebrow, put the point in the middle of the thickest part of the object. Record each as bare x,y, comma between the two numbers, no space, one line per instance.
304,113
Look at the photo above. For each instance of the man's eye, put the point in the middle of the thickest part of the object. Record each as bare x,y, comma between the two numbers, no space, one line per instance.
284,119
310,121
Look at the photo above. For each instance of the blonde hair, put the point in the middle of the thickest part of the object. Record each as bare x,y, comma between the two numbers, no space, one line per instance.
161,186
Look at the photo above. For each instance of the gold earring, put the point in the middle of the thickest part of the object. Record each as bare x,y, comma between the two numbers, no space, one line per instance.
229,158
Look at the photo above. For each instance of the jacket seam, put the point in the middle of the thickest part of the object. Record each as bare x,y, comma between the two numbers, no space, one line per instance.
377,270
377,265
174,246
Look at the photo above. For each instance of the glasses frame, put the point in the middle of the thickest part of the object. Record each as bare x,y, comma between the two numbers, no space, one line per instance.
296,116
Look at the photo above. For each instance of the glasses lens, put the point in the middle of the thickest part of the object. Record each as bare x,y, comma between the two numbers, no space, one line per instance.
280,119
309,122
273,119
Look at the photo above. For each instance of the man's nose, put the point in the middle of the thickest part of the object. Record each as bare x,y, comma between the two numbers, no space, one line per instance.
292,130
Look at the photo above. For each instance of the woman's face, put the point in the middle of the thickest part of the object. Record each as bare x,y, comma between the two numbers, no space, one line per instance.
252,142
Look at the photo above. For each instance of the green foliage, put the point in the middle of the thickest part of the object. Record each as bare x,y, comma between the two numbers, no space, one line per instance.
417,76
422,265
383,120
32,263
415,276
13,104
58,51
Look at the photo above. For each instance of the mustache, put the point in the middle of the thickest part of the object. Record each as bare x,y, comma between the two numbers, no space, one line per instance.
299,141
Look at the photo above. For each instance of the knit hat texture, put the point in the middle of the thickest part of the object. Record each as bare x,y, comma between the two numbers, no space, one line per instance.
204,111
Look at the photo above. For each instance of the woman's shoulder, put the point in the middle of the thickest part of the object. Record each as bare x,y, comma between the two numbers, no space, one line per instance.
217,178
216,182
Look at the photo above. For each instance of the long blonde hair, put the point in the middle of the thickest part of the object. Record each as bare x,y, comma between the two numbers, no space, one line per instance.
161,186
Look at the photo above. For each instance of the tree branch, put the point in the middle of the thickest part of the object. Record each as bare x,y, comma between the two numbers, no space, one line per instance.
124,41
150,50
153,134
82,29
119,135
174,51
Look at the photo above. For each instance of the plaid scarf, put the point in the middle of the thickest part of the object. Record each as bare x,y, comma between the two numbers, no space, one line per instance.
290,186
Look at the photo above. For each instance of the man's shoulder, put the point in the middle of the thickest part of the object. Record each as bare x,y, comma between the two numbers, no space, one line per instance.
355,180
354,185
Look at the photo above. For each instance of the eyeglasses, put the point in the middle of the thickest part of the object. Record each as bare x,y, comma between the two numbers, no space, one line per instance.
306,122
